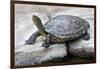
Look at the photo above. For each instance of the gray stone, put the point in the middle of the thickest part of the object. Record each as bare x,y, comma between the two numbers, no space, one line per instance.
36,54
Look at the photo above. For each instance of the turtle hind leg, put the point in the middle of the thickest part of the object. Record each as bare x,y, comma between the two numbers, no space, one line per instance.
86,36
32,38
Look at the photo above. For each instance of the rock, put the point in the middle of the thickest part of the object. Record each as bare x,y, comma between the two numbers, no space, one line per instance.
82,48
36,54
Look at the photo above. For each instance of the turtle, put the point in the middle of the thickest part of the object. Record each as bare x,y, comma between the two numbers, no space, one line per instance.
60,29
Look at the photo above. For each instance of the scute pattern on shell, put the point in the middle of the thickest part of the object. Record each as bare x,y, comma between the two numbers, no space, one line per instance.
66,26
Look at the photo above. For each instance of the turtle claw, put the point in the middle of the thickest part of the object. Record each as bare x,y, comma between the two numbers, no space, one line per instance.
45,45
30,42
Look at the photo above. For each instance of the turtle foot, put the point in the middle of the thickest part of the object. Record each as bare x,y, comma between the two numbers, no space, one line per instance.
45,45
30,42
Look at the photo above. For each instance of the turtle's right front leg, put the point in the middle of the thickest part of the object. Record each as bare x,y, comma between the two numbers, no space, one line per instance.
46,44
32,38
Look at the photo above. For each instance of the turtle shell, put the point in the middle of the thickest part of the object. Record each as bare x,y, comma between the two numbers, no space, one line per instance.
67,26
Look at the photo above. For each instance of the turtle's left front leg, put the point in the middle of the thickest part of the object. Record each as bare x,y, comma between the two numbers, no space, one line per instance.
32,38
46,44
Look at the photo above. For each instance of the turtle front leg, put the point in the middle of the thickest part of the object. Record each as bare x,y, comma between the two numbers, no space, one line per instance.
46,44
32,38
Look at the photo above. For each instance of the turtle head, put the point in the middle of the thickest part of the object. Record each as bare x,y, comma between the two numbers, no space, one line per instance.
37,21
